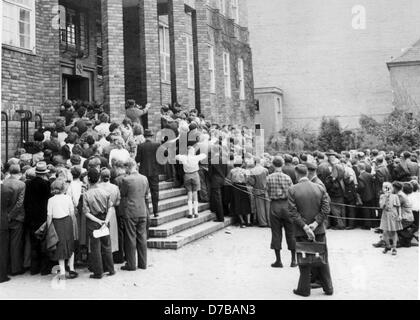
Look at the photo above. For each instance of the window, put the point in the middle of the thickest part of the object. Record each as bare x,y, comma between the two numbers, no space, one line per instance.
235,10
190,61
165,53
278,104
226,74
19,23
212,76
73,33
222,6
99,57
241,79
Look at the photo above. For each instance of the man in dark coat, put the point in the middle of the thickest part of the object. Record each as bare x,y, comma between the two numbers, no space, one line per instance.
217,175
36,199
4,241
135,211
12,195
149,166
288,167
308,207
402,172
366,189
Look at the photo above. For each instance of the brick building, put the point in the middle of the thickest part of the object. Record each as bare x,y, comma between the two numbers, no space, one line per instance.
325,63
194,52
405,79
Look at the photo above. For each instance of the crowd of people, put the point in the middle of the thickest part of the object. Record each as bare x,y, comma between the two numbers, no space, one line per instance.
79,193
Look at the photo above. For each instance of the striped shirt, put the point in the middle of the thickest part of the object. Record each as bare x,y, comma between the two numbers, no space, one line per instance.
278,183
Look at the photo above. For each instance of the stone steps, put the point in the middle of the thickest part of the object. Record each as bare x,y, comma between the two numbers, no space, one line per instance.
174,213
172,227
171,193
184,237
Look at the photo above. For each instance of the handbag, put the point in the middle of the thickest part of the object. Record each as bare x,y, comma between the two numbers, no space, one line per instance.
313,254
101,232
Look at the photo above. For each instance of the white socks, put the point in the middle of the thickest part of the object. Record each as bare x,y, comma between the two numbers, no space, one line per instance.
190,208
196,208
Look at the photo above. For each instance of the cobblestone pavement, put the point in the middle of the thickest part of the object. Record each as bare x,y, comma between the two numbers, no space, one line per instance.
235,264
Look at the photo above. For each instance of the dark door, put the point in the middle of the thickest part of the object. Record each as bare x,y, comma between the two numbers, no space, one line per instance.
77,88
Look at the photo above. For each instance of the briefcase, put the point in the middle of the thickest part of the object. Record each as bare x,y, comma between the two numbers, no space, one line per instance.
313,254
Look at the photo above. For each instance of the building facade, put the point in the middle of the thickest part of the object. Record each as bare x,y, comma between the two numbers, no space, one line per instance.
329,57
269,112
194,52
405,79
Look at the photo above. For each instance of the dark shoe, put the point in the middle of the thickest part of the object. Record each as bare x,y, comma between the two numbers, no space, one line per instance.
386,250
126,268
365,228
111,273
18,273
72,275
329,292
394,252
156,215
380,244
5,280
46,273
243,225
316,285
338,228
190,216
142,268
378,231
350,228
95,276
293,264
296,292
277,265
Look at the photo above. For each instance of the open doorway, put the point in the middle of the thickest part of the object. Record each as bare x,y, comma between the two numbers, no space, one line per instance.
76,88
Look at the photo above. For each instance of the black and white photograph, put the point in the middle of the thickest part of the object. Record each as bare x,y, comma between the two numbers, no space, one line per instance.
210,150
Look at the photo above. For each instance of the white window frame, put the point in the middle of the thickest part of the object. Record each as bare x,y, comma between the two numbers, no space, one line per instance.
226,74
165,53
190,60
241,75
235,10
28,5
212,69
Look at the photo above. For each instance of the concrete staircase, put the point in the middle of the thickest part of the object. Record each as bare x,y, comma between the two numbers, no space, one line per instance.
172,229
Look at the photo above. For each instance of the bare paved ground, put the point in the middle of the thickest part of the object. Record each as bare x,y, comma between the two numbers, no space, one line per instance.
237,266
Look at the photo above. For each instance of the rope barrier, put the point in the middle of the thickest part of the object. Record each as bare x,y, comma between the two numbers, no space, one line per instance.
229,182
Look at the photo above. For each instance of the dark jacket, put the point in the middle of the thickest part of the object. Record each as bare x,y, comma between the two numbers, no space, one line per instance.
12,197
366,187
217,175
36,200
308,202
134,192
402,172
381,175
334,187
289,169
146,156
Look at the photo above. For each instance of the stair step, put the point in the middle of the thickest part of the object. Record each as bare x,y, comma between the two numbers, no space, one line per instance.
172,193
180,239
170,228
166,185
170,203
162,177
174,213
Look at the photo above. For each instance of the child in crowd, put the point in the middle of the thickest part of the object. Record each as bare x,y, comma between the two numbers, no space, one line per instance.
391,217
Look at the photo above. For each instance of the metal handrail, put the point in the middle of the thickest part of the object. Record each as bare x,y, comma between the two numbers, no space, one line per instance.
6,119
38,123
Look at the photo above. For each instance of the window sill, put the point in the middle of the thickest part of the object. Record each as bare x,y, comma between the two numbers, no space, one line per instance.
165,82
18,49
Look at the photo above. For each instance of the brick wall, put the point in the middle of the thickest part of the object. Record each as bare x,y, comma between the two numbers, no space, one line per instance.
325,67
31,81
113,57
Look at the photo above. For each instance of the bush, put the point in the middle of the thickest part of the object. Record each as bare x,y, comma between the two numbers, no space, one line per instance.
330,135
